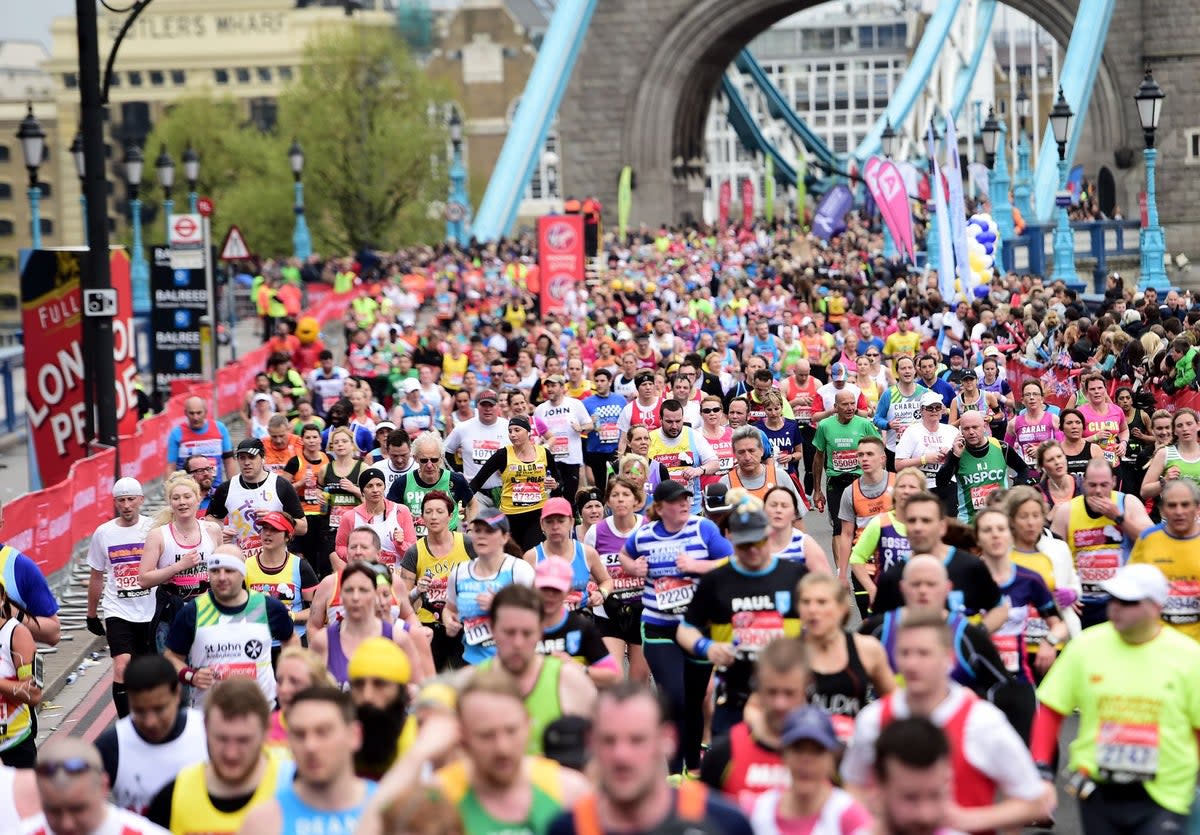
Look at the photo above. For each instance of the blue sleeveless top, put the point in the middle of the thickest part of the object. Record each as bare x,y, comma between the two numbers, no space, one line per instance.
298,816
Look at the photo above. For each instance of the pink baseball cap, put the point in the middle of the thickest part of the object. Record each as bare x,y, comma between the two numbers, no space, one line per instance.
558,506
554,573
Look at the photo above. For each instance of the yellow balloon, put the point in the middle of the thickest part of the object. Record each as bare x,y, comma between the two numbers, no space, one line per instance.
651,287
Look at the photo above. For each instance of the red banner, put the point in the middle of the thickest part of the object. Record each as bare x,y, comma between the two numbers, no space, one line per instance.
51,302
724,198
560,258
747,203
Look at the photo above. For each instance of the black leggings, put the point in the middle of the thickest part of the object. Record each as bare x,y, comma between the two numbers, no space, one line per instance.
526,528
684,680
22,755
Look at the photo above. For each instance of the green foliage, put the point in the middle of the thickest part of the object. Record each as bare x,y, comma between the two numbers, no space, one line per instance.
243,170
361,112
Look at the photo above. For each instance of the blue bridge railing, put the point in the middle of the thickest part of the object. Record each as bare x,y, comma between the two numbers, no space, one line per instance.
1033,250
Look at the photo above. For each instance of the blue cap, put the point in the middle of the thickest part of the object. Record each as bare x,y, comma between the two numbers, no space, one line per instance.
837,372
955,351
809,723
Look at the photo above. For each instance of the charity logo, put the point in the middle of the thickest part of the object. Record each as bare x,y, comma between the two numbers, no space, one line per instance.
560,236
253,648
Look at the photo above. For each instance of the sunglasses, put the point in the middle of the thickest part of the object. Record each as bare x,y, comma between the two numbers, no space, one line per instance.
872,356
202,470
715,411
932,408
428,460
72,767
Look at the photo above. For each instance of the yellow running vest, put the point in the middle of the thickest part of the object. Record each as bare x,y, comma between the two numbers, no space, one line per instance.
523,484
438,571
192,811
1098,545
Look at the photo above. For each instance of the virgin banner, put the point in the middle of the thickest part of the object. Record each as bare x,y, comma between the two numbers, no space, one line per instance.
52,308
724,198
887,188
747,203
560,259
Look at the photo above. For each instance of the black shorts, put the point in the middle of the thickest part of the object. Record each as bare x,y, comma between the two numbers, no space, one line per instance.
623,623
126,638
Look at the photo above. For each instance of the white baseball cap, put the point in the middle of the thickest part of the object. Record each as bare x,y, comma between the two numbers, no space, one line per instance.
127,487
1137,582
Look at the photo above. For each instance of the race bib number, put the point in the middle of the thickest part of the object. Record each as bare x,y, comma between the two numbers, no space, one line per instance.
726,464
574,600
527,493
980,493
843,726
312,495
1036,628
560,445
673,593
610,433
126,576
1127,753
1183,602
477,632
483,450
1096,567
435,594
1010,652
251,545
623,585
234,669
804,413
845,460
752,631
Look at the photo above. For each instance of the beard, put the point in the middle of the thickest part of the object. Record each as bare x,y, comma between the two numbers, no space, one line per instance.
381,729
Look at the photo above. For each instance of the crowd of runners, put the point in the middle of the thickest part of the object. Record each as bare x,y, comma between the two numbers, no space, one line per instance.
753,533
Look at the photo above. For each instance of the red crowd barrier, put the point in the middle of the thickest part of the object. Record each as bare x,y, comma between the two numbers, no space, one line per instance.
47,524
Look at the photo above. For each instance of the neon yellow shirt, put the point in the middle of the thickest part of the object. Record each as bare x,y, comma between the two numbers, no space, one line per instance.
1139,709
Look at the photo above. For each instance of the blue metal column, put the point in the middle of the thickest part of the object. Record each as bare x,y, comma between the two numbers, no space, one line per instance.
998,187
35,217
1153,243
139,270
301,240
1023,183
168,210
1064,239
456,226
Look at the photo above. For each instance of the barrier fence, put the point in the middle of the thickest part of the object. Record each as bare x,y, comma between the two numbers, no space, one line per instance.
49,524
1061,386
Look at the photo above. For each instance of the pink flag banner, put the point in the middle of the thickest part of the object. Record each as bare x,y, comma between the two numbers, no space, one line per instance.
747,203
723,200
890,194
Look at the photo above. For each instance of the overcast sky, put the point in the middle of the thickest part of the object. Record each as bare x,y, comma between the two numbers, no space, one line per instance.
29,20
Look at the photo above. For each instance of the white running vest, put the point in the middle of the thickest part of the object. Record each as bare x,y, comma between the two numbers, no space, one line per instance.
233,646
143,768
188,581
244,506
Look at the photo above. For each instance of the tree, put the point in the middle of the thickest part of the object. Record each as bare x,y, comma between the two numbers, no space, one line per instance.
361,110
244,171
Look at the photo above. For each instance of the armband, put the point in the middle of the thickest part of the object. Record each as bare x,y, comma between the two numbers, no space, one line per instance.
700,648
186,675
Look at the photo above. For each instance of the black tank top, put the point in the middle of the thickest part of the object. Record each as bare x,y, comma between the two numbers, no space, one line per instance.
845,692
1077,464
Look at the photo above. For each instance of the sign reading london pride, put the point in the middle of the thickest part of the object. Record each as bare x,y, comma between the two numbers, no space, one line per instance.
52,316
560,258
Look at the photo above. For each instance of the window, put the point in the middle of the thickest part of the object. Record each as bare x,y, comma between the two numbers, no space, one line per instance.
841,144
886,38
5,191
115,79
135,78
4,153
45,189
866,37
243,75
264,113
178,77
285,73
1191,146
6,228
70,80
221,76
264,73
157,78
47,226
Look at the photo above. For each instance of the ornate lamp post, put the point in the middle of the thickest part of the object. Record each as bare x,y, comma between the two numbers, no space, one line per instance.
139,270
301,241
33,147
1149,98
1023,183
164,166
995,146
887,143
191,172
456,206
81,171
1064,240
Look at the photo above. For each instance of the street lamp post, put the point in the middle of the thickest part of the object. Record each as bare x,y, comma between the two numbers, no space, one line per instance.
81,170
887,143
33,147
301,241
1149,100
456,206
1064,240
1023,182
165,167
139,271
932,245
191,172
995,146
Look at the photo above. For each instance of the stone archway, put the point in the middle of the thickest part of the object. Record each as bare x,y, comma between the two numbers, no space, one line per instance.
646,78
